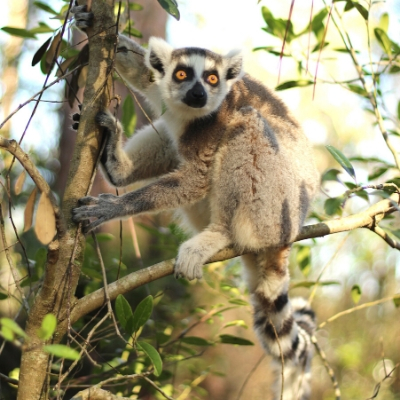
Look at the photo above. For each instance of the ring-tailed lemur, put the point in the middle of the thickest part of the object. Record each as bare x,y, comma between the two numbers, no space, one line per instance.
229,156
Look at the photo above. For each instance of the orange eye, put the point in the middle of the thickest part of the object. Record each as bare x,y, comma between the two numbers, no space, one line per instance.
181,75
212,79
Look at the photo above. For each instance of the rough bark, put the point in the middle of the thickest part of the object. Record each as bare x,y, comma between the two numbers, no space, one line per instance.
66,253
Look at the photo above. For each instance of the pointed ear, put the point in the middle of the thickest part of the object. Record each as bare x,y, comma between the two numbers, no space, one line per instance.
233,64
158,54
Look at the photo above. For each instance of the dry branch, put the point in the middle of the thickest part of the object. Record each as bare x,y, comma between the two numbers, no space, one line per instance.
365,219
14,148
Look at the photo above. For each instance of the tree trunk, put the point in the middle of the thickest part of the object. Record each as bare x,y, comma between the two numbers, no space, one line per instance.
65,254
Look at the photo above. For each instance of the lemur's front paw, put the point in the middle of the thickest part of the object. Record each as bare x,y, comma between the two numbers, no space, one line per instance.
83,19
106,120
189,262
93,211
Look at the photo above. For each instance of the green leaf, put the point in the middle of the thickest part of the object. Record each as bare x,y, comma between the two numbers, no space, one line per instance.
396,301
349,6
101,237
383,40
62,351
292,84
358,90
231,339
42,28
45,7
239,302
13,326
18,32
308,284
342,160
303,258
154,356
362,10
377,172
128,116
48,327
42,50
142,313
331,175
333,206
398,110
384,22
198,341
131,31
171,7
135,7
356,293
3,296
317,24
124,313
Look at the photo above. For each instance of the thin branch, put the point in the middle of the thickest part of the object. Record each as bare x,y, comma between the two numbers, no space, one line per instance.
11,263
8,379
249,375
14,148
139,278
360,307
328,368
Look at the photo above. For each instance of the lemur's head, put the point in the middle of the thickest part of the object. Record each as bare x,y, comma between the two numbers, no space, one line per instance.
192,80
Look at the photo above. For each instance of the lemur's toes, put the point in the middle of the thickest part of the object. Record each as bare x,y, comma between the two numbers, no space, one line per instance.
76,117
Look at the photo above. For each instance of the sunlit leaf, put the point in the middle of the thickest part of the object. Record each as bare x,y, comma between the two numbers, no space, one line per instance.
18,32
45,7
231,339
356,293
384,22
198,341
135,7
239,302
292,84
303,259
20,183
358,90
238,322
42,28
396,301
45,223
48,327
317,24
62,351
154,356
342,160
13,326
128,116
377,172
383,40
7,333
40,52
142,313
53,51
171,7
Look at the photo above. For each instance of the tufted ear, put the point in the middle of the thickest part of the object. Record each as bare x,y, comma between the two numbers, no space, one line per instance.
233,64
158,54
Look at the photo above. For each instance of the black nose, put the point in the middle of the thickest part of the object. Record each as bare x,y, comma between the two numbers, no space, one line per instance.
198,91
196,97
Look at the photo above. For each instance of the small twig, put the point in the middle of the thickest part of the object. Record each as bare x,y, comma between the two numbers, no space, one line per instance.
360,307
249,375
327,366
11,263
38,93
282,359
157,388
379,384
8,379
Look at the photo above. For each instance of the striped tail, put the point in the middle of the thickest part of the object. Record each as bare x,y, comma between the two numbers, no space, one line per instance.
283,327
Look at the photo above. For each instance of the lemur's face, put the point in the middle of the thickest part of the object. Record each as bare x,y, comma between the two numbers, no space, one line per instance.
192,81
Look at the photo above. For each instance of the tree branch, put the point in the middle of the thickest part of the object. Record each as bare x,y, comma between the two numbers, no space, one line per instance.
14,148
365,219
95,393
